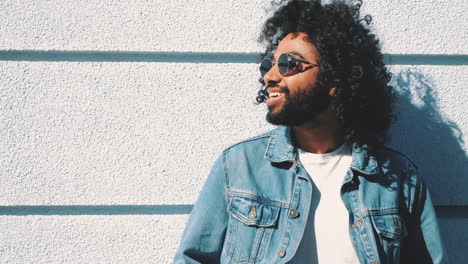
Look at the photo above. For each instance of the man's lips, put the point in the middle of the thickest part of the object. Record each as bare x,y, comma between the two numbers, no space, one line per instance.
274,96
275,92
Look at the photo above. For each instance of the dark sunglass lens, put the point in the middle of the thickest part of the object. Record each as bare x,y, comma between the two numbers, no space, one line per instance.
265,66
283,63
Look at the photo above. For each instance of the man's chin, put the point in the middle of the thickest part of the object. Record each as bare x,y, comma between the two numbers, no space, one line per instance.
279,118
288,117
275,115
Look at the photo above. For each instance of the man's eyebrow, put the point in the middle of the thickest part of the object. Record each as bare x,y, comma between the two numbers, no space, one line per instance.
297,54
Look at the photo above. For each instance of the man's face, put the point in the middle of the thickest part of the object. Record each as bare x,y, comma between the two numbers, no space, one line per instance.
296,98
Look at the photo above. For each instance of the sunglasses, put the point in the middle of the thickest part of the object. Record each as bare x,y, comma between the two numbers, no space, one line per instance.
287,65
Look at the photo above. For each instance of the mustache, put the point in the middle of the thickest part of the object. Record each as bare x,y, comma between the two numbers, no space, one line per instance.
284,89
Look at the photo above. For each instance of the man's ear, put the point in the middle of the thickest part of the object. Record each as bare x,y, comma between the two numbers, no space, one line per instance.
332,92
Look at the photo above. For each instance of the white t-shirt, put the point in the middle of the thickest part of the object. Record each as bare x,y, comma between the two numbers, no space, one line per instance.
326,238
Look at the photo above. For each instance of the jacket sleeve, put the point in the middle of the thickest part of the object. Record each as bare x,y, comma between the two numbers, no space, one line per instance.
203,237
424,243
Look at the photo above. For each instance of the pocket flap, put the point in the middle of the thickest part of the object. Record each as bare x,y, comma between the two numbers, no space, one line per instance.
253,212
390,225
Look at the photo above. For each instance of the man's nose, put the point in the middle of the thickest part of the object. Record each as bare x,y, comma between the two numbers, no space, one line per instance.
272,76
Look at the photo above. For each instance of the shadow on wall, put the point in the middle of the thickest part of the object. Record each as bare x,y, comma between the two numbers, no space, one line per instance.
434,143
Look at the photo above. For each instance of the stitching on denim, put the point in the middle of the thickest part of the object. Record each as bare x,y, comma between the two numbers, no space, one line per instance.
271,145
258,198
368,233
239,216
297,164
249,139
266,243
370,239
233,242
282,159
375,212
368,226
267,150
257,243
286,236
399,230
263,232
372,172
231,238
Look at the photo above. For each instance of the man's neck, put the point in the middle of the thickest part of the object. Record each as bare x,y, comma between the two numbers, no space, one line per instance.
319,136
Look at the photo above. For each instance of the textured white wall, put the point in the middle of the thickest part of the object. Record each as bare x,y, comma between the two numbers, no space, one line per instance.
99,159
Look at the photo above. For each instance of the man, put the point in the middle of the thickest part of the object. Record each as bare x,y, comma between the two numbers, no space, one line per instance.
321,187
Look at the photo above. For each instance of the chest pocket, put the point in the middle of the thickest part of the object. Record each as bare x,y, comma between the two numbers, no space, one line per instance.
390,226
251,224
391,230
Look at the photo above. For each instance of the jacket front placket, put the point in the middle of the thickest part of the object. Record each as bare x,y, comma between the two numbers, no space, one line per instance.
360,227
280,149
298,213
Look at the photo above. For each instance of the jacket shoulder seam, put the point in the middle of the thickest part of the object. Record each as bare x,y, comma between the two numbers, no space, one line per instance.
265,135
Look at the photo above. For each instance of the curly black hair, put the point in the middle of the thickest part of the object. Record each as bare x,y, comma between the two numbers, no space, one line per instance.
350,60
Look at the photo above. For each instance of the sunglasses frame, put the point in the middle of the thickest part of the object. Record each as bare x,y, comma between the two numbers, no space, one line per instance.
291,65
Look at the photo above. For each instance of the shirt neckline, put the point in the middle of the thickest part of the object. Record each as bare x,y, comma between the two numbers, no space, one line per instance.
342,150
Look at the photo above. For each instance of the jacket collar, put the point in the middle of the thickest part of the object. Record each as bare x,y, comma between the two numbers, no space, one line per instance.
363,161
281,148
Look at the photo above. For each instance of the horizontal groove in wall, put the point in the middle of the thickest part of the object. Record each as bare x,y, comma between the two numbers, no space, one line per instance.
452,211
175,209
200,57
426,59
127,56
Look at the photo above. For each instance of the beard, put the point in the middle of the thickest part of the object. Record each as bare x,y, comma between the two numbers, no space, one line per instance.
300,107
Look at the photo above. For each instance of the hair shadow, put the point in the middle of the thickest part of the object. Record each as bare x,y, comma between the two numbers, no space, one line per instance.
431,140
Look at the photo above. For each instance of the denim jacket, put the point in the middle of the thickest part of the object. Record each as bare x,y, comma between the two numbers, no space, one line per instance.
254,206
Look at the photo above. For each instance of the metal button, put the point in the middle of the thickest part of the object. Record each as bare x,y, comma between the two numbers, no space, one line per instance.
281,253
293,213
